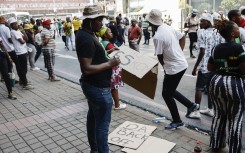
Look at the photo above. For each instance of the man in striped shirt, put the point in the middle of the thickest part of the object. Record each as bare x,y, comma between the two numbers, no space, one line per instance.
48,46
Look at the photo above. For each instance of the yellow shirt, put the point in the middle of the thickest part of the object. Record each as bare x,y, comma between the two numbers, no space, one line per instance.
76,24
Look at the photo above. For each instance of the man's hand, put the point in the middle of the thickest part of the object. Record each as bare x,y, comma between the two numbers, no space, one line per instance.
114,61
194,71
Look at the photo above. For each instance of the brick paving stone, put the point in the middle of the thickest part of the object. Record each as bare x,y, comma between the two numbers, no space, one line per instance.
82,147
58,137
42,138
9,149
72,150
71,138
56,150
36,145
14,137
53,134
40,150
32,141
18,141
61,142
77,142
20,145
39,134
51,146
28,137
6,145
66,146
25,150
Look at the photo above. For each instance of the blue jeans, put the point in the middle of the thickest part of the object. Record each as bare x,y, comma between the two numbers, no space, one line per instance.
69,38
98,117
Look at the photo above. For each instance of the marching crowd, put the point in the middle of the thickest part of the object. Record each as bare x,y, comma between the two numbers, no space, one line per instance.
220,65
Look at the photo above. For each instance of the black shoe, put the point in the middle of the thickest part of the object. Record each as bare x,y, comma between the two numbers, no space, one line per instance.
193,108
192,56
174,125
12,96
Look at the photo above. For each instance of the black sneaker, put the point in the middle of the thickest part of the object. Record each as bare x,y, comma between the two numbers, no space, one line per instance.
12,96
193,108
174,125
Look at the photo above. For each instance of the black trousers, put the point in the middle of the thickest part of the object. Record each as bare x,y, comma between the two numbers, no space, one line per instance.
169,93
13,56
22,60
4,72
193,39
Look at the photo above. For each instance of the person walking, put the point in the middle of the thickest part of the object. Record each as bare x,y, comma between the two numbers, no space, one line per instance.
48,46
134,35
206,41
95,81
4,60
145,26
67,26
169,44
76,24
227,89
191,23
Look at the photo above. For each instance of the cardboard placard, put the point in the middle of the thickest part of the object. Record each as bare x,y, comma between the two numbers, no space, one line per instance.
154,145
134,62
139,71
130,134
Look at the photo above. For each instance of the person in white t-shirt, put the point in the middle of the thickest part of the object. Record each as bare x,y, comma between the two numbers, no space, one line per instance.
4,60
169,44
21,51
191,23
8,44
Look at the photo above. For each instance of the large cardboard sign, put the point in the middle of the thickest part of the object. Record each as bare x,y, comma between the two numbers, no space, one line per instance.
154,145
130,134
134,62
139,71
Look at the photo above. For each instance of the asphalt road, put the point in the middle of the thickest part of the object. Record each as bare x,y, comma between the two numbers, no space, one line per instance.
67,66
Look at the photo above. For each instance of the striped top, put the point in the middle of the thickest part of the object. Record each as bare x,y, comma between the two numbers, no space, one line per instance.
47,34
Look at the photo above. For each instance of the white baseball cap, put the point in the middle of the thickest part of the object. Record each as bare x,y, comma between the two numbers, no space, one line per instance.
11,20
208,17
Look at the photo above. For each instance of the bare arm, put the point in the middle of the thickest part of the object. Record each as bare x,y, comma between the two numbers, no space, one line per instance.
5,51
45,42
199,59
182,43
140,36
10,40
87,68
160,59
211,67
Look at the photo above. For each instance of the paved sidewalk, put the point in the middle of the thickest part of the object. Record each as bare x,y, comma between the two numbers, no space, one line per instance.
52,118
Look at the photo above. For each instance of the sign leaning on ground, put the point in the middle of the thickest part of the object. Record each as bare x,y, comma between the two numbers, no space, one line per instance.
139,71
130,134
154,145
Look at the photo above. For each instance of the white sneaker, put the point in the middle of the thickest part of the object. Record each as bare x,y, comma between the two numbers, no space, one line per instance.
28,87
35,69
195,115
208,112
121,106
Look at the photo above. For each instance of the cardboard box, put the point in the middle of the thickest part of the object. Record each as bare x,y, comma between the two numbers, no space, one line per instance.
139,71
